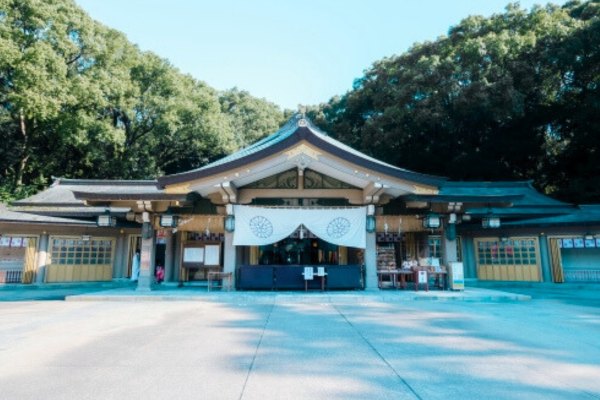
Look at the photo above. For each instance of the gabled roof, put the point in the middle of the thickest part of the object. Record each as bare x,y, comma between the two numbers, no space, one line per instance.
298,128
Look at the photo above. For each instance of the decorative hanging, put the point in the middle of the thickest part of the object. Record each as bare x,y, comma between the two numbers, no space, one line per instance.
260,226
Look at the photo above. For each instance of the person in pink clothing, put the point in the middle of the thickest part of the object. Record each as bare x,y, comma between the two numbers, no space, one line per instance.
160,273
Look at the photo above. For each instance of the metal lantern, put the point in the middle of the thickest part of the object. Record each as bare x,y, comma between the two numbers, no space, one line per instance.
491,222
230,223
371,223
169,221
106,220
432,221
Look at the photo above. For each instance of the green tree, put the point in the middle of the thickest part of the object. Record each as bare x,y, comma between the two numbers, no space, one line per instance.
479,104
250,118
78,100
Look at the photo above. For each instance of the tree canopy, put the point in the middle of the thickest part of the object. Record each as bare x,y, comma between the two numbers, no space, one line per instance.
513,96
78,100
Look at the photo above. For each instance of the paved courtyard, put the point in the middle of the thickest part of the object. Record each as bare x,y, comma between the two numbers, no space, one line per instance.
546,348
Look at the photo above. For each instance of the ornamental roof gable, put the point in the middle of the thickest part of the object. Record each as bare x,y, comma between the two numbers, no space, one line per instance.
299,143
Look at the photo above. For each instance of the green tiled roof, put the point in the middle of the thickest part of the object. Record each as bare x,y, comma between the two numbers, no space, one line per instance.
527,195
584,215
7,215
298,123
62,191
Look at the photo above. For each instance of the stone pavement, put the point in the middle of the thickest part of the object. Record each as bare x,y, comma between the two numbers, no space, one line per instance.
546,348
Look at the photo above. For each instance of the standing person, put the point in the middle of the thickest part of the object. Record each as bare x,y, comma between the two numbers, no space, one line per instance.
135,266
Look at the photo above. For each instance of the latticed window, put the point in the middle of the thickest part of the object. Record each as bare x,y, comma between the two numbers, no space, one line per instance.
435,247
516,252
512,259
76,251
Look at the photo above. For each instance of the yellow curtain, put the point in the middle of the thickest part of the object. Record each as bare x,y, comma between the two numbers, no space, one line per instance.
343,255
556,261
254,255
29,266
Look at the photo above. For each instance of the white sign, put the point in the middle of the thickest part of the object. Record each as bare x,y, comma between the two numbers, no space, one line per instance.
212,255
422,277
193,254
308,273
457,276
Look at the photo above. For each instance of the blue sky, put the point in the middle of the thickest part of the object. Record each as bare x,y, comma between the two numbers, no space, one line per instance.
289,52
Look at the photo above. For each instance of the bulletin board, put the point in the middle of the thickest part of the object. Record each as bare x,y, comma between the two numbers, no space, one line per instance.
201,254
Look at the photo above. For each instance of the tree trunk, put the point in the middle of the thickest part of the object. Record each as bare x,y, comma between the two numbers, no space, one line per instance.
25,149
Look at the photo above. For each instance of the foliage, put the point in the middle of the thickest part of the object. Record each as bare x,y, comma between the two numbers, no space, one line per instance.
513,96
250,118
78,100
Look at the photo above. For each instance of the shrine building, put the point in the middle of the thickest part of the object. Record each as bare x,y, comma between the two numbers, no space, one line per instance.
295,199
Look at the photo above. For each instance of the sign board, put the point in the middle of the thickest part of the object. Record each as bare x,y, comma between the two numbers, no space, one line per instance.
196,254
212,253
422,277
457,276
308,273
193,254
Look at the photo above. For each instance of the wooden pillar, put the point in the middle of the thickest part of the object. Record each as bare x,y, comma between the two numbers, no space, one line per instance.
120,261
177,238
146,278
449,250
40,276
229,256
169,253
371,262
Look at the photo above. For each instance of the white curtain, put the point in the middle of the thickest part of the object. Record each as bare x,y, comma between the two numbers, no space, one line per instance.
257,226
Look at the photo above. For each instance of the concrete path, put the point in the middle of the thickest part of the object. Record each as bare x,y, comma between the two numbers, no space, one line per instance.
546,348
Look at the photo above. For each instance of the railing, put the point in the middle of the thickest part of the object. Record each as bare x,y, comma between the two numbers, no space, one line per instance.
582,276
11,276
